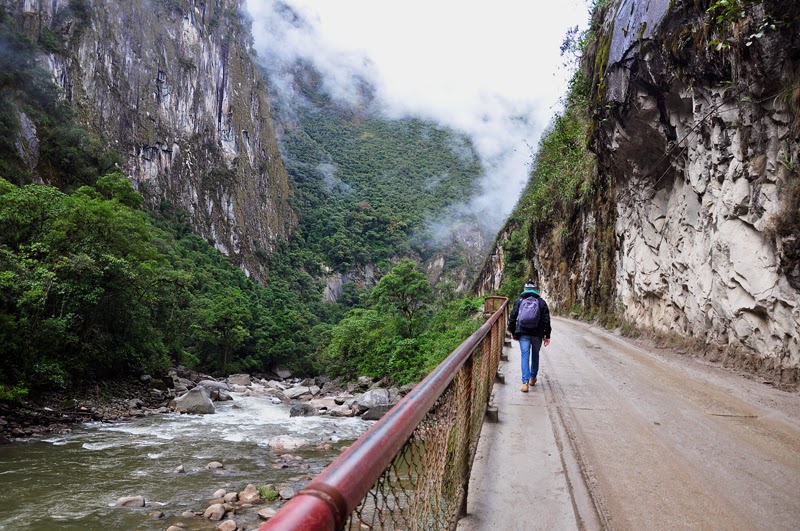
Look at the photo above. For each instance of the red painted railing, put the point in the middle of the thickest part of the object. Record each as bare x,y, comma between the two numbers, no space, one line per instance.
411,469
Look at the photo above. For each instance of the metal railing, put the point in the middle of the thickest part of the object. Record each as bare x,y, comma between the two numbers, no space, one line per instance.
411,469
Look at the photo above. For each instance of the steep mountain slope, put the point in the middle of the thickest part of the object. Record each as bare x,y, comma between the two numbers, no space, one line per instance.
691,113
172,86
370,189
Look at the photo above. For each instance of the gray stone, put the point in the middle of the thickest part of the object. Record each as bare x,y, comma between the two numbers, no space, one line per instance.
302,410
267,513
296,392
196,401
283,372
239,379
286,493
376,412
284,443
215,511
131,501
213,384
373,398
214,465
249,494
227,525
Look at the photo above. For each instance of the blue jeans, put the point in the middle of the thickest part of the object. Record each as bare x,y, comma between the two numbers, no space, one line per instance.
529,347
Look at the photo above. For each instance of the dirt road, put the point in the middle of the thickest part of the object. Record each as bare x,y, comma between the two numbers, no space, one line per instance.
647,440
667,442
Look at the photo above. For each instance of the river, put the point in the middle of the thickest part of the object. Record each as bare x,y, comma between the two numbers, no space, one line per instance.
73,481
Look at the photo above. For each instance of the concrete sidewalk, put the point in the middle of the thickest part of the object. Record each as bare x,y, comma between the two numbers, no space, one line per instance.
518,480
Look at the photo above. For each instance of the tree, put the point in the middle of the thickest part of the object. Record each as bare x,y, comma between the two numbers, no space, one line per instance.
406,291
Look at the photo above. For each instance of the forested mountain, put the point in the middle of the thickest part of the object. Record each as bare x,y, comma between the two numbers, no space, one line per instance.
371,189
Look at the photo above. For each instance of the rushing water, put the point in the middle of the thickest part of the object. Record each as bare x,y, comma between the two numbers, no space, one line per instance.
73,481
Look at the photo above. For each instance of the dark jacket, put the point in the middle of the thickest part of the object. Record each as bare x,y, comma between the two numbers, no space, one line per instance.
542,330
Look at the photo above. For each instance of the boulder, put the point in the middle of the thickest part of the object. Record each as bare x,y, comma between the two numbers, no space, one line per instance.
373,398
302,410
219,493
231,497
180,469
131,501
284,443
249,494
196,401
213,384
227,525
296,392
283,373
239,379
214,465
376,412
157,383
215,512
341,411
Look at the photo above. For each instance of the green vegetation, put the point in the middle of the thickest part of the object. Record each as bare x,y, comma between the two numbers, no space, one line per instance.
391,339
92,287
549,225
268,492
367,187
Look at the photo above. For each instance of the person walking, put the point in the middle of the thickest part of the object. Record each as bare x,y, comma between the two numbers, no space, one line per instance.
529,323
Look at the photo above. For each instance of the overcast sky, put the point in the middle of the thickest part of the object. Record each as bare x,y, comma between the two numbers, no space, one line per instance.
491,69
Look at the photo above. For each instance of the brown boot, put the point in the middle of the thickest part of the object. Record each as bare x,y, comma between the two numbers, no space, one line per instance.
524,388
532,381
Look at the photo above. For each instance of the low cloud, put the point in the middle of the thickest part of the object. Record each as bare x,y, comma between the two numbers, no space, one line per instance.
489,70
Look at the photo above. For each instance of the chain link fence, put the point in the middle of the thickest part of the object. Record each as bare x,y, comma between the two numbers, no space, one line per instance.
411,470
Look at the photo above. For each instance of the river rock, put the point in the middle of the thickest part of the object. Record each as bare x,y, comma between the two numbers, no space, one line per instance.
180,469
376,412
286,493
231,497
196,401
214,465
341,411
227,525
175,528
249,494
373,398
239,379
284,443
266,513
131,501
213,384
188,514
302,410
215,512
282,372
296,392
220,493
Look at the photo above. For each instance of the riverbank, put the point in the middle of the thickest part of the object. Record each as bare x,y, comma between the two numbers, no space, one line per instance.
56,412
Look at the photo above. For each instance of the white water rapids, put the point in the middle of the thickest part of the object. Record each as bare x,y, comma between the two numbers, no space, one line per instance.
73,481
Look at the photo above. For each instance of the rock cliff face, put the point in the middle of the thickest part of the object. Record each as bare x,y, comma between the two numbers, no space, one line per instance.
172,85
703,147
696,131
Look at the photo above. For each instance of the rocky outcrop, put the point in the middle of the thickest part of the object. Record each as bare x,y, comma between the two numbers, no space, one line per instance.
173,87
698,131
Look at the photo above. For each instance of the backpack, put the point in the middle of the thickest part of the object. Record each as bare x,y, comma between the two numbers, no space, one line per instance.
529,312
